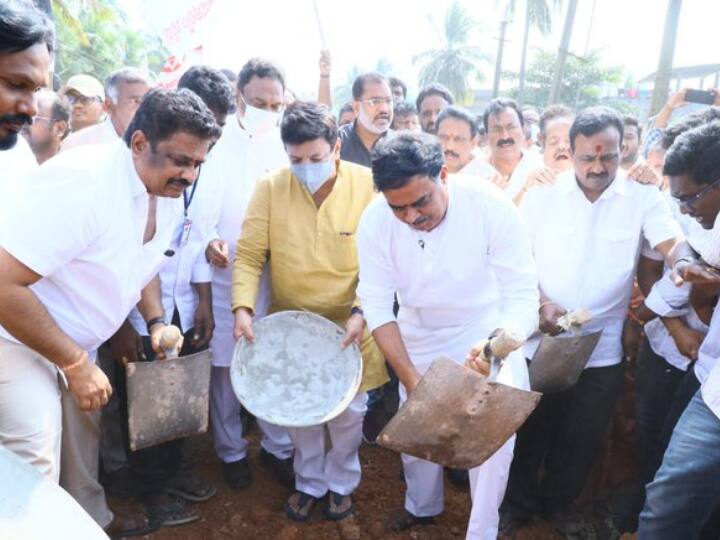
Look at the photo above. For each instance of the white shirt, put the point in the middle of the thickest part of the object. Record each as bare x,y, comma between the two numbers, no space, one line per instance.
102,133
15,164
238,161
477,166
711,390
587,253
707,367
529,162
455,284
79,222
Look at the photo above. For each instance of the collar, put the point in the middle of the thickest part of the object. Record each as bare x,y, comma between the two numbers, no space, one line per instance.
567,184
136,185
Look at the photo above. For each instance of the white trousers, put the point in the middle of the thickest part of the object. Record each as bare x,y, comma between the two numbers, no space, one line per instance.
30,409
227,426
318,468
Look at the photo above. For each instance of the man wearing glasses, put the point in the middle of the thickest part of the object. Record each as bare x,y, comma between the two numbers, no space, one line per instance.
373,107
49,127
249,149
85,95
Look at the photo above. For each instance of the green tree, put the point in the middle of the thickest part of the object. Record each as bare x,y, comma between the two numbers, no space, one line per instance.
456,62
538,15
580,87
93,37
343,92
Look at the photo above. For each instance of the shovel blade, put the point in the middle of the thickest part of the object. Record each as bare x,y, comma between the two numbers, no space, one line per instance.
456,417
168,399
559,361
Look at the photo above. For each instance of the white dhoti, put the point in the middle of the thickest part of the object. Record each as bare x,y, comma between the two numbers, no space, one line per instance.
319,469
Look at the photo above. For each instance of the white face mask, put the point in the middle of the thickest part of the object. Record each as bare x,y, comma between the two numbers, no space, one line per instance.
367,123
259,122
312,175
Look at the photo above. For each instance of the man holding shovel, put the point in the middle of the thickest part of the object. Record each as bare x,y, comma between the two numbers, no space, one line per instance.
459,259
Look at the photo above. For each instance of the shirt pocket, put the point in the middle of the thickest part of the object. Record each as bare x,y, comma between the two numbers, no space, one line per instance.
618,248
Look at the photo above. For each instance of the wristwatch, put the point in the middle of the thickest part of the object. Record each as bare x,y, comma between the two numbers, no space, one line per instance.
357,311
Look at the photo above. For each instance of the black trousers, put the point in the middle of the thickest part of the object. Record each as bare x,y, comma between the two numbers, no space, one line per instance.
150,468
562,437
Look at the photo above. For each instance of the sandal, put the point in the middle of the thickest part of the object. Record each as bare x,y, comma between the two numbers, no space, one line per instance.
299,506
126,525
168,511
404,520
338,506
191,487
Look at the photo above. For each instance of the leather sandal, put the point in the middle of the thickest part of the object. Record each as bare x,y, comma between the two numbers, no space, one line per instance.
299,506
338,506
126,525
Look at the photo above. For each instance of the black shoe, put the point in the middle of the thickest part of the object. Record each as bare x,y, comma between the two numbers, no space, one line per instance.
169,511
459,478
405,520
237,474
281,468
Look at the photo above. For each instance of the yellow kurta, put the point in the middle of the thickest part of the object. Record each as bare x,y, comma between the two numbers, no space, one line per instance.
311,250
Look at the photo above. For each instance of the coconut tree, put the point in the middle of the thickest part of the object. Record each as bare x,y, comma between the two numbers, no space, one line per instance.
455,62
665,62
538,15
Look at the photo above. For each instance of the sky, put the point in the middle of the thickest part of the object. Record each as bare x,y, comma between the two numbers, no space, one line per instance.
359,32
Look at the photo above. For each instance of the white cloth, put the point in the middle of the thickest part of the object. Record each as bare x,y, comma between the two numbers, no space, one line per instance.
709,351
16,164
478,167
319,469
587,253
79,223
529,162
238,162
102,133
227,426
711,390
454,288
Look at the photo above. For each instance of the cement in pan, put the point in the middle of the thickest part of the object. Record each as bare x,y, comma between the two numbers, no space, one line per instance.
296,374
33,507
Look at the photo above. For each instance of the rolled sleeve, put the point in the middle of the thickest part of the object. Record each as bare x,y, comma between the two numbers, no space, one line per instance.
252,249
376,289
668,300
659,224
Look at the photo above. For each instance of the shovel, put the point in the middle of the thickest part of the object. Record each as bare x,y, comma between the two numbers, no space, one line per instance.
559,361
457,417
168,399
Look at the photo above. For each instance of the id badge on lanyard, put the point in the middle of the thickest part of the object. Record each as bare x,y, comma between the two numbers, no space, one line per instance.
187,223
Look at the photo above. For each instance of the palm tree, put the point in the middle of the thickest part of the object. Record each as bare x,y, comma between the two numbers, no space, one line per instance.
662,76
455,62
562,52
537,15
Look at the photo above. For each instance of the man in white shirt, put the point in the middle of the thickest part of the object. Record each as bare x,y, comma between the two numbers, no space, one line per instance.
249,148
72,269
586,232
685,490
454,289
124,90
457,131
504,124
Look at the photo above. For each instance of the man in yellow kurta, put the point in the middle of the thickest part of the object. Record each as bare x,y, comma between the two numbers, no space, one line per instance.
303,220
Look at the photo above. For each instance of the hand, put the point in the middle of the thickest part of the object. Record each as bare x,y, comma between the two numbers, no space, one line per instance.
203,324
217,253
126,345
89,386
243,325
696,273
411,380
687,340
676,99
549,315
500,181
642,173
156,331
354,329
476,360
631,338
543,176
325,63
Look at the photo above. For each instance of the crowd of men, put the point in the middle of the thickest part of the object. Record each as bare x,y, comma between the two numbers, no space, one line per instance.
419,228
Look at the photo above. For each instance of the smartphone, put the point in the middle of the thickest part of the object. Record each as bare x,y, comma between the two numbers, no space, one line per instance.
706,97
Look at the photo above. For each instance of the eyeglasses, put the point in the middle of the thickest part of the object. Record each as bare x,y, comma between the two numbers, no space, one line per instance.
374,102
692,200
43,118
72,99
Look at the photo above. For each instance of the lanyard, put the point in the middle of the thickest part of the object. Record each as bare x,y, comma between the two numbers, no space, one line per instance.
188,200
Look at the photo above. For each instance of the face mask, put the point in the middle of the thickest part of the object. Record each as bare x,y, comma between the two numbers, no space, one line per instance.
312,175
259,122
367,123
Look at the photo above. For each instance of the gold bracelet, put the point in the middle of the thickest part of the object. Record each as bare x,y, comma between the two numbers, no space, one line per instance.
74,365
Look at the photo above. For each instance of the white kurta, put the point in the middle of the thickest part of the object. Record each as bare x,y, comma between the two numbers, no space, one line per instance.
238,161
478,167
472,274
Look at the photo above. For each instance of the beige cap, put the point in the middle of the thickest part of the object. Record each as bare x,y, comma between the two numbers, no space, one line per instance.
85,85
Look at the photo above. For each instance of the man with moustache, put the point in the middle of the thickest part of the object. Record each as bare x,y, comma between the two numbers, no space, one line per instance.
457,132
124,90
373,107
509,156
250,148
91,233
430,102
49,127
85,95
586,231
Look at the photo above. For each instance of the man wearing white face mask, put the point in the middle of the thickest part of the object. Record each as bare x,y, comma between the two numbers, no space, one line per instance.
314,267
373,107
250,147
